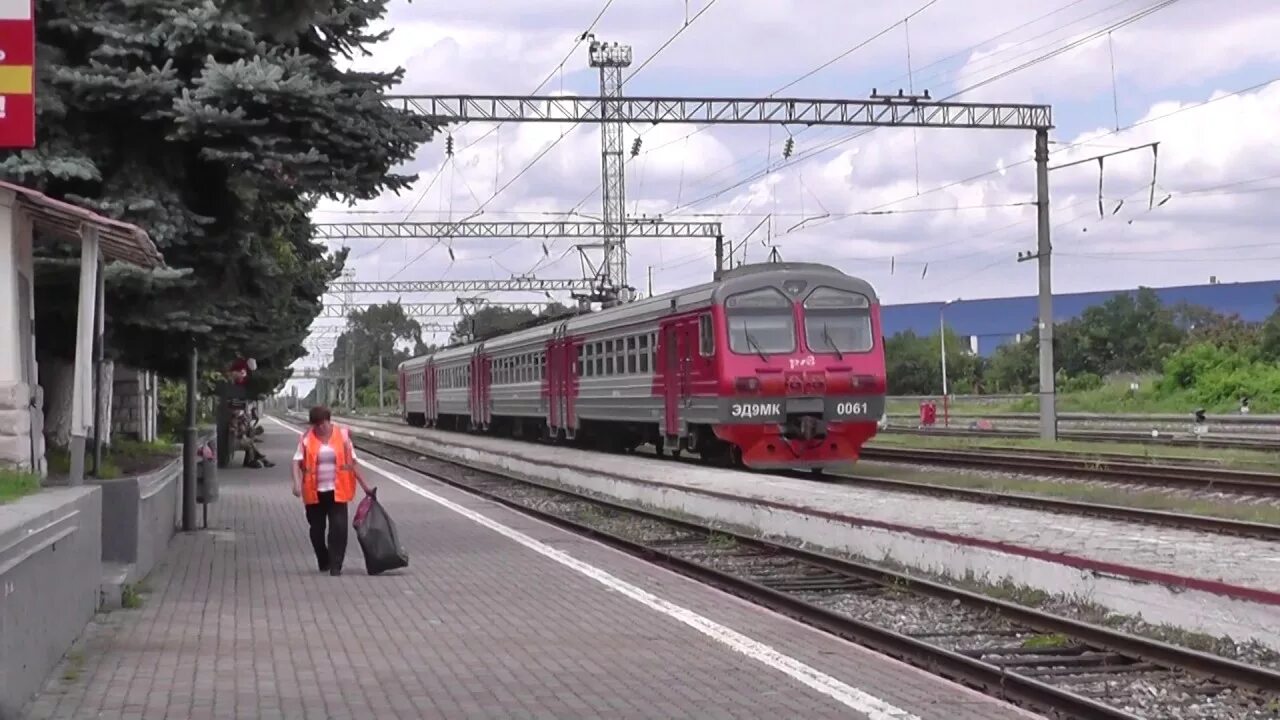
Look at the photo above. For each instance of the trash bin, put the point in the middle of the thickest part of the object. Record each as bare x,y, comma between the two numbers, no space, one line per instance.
206,480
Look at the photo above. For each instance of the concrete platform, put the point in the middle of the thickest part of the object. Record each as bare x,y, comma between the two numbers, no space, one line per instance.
497,616
1201,581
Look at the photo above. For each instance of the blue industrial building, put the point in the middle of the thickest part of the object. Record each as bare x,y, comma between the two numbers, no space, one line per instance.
993,322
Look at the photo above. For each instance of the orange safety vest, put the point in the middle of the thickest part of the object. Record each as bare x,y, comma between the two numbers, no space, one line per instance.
344,486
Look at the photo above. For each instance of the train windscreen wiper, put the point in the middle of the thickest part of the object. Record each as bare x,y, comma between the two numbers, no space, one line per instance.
752,342
827,336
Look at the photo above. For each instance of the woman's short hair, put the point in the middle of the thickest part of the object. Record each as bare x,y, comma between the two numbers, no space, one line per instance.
319,414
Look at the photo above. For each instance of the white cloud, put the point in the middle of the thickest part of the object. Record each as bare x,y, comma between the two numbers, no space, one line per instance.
1163,64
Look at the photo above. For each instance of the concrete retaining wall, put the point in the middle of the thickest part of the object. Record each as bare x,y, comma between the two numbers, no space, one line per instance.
139,517
50,569
1159,603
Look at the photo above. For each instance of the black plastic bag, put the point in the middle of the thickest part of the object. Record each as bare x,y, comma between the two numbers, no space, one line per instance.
377,535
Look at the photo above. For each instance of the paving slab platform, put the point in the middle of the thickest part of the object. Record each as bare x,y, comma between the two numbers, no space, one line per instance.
497,616
1212,583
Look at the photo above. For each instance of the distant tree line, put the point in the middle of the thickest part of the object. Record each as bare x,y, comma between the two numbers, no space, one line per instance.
1195,353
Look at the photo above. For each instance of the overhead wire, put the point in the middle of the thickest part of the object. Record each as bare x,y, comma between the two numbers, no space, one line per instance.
820,149
1061,148
550,75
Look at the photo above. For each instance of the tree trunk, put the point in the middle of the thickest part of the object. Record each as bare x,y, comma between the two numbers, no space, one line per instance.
106,381
57,377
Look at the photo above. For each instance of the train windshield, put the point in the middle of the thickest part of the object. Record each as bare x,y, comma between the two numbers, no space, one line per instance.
761,322
837,321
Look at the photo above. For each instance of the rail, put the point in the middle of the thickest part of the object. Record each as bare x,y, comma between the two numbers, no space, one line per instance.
1196,477
1259,441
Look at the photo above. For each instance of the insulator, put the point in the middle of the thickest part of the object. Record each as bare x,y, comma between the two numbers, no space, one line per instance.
635,147
448,146
788,147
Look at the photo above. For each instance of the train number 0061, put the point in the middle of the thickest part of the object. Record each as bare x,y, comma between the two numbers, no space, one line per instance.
852,408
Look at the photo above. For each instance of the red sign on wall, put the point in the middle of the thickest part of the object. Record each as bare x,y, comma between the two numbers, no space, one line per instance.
17,74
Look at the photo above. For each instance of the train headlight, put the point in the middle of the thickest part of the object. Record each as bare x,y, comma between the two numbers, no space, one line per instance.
747,384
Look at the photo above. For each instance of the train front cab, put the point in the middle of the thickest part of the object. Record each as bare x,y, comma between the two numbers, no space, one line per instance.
802,376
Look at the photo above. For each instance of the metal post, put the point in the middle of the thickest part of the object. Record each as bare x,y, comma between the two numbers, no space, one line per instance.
1048,400
189,445
650,281
719,256
942,337
611,58
380,386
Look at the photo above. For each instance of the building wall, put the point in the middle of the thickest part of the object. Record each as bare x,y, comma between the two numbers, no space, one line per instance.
996,321
21,420
134,404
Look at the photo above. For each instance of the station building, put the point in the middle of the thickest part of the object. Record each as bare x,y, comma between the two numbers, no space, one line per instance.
989,323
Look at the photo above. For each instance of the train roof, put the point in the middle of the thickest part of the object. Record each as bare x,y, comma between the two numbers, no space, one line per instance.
731,281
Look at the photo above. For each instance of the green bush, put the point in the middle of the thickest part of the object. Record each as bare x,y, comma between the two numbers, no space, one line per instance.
1081,383
1217,377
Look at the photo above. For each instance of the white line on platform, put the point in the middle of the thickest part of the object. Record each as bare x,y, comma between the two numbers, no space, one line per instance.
871,706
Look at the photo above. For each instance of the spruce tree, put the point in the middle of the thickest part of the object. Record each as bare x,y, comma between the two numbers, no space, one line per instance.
217,127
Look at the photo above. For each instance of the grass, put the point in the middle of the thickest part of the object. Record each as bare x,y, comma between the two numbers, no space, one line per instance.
1083,492
124,457
75,664
1045,642
14,485
1227,457
1113,397
131,596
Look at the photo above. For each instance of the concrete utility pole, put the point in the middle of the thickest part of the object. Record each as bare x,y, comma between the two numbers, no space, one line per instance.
380,393
1044,251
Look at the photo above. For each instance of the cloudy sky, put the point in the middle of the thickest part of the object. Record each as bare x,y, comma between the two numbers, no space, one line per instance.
929,214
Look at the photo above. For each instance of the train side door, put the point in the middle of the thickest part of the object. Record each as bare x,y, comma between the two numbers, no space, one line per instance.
554,381
671,378
569,368
479,388
429,410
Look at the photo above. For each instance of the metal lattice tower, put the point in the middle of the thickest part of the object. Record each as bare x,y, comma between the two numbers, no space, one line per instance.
612,285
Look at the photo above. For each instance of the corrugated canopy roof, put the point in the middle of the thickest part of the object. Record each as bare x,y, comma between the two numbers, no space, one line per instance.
118,240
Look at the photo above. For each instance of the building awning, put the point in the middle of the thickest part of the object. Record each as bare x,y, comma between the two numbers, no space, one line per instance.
117,240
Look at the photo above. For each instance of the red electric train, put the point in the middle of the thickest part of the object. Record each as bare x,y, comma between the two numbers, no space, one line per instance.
776,366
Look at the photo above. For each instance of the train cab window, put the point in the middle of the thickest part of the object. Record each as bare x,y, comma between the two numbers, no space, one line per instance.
631,355
706,338
608,357
837,321
761,322
643,353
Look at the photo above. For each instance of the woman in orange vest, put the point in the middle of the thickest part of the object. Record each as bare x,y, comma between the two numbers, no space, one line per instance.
325,473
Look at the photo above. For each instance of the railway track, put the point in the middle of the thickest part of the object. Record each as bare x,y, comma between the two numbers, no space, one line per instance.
1220,442
1209,479
1053,664
1186,521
